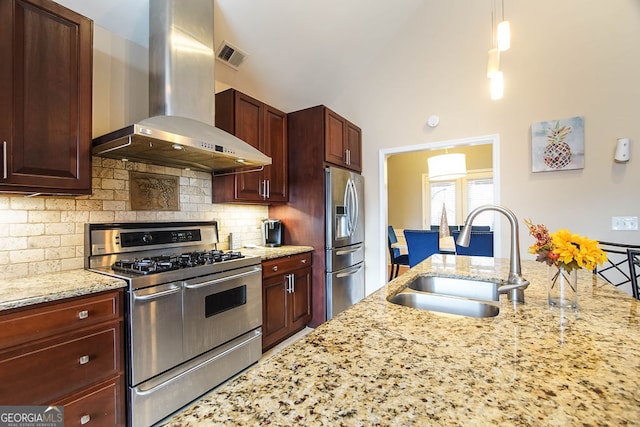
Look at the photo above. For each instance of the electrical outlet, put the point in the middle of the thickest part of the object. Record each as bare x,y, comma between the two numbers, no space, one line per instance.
627,223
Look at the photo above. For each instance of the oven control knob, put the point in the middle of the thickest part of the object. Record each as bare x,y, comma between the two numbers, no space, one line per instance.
147,238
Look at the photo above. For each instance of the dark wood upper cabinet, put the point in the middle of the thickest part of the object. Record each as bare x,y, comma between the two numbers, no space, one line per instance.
343,142
46,54
265,128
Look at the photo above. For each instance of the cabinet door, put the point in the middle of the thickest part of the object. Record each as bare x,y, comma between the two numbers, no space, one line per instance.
300,299
354,145
46,141
99,405
334,148
275,143
275,319
249,124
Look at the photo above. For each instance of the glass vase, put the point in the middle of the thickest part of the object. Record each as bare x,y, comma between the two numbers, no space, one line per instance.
563,287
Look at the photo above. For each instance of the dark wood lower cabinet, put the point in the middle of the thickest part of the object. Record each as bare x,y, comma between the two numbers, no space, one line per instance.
69,353
286,297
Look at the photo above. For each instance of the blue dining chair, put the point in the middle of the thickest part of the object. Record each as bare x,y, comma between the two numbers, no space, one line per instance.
480,244
421,244
397,259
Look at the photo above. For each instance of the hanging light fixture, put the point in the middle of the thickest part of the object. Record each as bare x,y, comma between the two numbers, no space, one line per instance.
497,85
504,33
447,166
500,41
493,64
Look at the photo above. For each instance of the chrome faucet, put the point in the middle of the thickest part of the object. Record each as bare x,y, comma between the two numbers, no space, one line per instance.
516,284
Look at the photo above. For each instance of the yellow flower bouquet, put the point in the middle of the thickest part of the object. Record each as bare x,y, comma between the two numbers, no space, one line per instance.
567,252
564,248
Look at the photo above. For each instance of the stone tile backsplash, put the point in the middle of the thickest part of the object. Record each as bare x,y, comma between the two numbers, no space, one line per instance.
44,234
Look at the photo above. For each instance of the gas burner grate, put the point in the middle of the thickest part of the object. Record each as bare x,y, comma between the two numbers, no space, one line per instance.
162,263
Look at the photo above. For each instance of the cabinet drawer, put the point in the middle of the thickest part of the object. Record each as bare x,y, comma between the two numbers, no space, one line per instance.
285,264
96,406
41,321
34,375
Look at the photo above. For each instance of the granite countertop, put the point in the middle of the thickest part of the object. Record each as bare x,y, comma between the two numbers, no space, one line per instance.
277,252
23,291
382,364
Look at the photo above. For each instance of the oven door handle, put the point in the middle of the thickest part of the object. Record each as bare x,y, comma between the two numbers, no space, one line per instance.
170,291
223,279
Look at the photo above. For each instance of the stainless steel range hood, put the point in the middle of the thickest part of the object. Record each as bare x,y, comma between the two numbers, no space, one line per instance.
181,131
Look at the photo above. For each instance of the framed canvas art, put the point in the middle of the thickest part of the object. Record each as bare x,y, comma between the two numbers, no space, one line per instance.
557,145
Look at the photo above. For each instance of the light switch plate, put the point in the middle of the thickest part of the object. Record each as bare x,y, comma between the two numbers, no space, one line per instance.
627,223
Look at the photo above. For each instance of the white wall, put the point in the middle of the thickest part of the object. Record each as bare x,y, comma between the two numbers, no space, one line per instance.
568,58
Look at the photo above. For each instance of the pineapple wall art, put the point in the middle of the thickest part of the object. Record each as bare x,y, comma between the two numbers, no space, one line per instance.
557,145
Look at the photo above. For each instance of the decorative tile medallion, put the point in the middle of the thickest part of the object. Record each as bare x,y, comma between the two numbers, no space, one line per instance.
153,192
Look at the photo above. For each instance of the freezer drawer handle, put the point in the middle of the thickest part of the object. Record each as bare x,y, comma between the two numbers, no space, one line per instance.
349,273
224,279
348,251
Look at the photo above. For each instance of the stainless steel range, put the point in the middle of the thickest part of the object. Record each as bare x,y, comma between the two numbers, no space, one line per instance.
194,314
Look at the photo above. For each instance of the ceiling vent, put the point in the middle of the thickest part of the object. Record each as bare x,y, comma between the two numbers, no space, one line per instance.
230,55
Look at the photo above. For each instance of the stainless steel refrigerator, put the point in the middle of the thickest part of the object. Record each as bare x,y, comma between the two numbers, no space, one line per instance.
344,266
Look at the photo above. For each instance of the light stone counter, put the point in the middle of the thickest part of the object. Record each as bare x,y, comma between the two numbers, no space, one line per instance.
277,252
23,291
383,364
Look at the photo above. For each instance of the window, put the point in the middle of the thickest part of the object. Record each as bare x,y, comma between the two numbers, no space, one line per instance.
443,194
479,191
459,197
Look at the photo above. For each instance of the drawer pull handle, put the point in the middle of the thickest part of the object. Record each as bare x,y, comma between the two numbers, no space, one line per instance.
83,314
275,268
85,419
84,360
304,261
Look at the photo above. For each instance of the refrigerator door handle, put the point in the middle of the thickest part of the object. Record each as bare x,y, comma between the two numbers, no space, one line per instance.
352,208
350,272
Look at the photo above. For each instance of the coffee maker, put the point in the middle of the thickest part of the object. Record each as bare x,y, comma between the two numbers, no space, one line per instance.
272,232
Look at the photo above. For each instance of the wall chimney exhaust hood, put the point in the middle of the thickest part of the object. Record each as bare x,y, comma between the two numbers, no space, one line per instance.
181,132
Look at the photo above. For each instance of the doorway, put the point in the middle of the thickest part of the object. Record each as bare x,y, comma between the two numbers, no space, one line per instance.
384,155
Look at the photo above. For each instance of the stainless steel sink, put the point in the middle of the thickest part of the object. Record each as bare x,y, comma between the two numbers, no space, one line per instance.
467,288
447,304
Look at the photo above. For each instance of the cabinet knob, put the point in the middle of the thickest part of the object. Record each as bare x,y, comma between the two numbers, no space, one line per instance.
83,314
275,268
304,261
85,419
84,359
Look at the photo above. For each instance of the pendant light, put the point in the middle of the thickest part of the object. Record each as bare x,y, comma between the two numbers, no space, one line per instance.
504,33
497,85
447,167
500,41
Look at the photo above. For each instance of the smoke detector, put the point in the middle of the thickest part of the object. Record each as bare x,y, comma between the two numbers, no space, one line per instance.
230,55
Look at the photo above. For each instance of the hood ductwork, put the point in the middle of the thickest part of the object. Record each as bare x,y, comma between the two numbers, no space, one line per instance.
181,132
